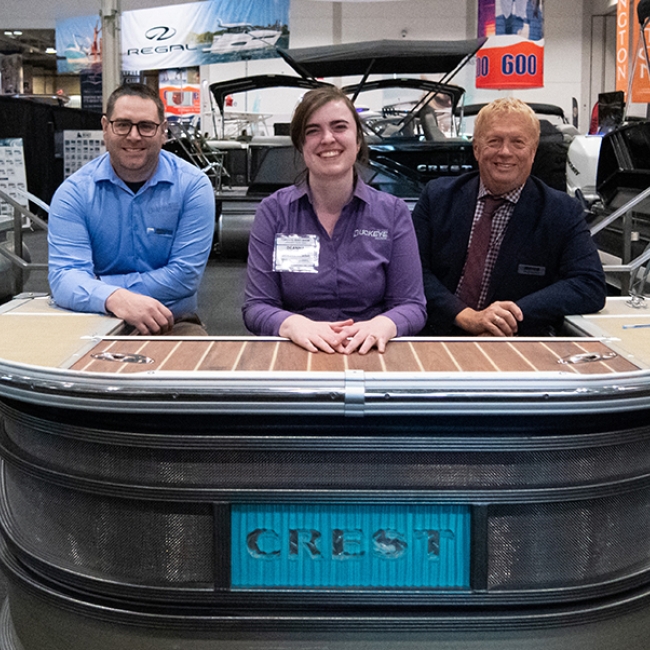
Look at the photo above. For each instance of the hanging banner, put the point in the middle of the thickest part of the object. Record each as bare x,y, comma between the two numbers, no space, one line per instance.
641,78
623,15
631,54
201,33
79,44
513,55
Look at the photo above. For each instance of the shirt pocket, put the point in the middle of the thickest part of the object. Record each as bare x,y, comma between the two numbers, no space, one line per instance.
161,219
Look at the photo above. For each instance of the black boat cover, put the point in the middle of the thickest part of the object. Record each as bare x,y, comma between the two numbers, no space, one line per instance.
381,57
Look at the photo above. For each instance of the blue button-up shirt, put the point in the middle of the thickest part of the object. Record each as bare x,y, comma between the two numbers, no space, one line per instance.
156,242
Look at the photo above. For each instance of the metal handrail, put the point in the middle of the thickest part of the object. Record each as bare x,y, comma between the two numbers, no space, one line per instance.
626,268
16,257
41,204
596,228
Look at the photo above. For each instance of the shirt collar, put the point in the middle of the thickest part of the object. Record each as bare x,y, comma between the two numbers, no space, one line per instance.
512,196
361,191
163,173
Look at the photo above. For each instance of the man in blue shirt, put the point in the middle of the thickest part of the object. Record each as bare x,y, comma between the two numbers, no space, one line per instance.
131,231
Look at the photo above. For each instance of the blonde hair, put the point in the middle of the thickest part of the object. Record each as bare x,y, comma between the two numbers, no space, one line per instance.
502,108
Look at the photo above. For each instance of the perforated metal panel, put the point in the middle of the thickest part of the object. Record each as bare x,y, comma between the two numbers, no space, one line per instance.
554,517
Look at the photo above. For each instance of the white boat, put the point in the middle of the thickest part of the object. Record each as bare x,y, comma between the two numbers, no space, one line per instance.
243,38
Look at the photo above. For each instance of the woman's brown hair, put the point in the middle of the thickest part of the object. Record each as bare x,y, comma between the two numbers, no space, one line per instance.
310,103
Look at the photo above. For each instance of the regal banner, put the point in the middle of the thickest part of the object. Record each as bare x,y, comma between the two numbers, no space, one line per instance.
79,44
630,53
179,36
513,56
201,33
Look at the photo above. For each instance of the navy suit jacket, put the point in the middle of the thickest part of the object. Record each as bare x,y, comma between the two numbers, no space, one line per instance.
547,264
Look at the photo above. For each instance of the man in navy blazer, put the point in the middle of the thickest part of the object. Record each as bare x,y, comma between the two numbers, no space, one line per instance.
541,262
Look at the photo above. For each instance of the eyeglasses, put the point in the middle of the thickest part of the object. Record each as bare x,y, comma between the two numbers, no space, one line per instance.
123,127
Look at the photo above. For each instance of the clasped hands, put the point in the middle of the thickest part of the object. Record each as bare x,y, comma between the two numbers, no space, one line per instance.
501,318
343,337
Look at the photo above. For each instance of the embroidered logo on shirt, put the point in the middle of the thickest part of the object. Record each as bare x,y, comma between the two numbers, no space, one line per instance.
375,234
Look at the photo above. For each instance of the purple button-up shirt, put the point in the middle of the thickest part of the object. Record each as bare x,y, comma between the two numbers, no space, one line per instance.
369,266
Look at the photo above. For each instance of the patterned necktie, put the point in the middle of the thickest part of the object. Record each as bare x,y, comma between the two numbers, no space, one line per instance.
470,289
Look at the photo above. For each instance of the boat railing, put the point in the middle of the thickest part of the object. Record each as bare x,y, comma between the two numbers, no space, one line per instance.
630,274
12,247
197,151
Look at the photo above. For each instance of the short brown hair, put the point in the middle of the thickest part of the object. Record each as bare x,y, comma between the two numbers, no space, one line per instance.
313,100
502,108
135,90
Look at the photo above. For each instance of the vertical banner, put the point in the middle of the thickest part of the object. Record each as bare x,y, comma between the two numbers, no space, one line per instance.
513,55
623,15
631,58
641,76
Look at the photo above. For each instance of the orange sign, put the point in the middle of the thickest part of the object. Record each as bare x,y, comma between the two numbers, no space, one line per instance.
630,53
641,77
513,55
510,62
623,13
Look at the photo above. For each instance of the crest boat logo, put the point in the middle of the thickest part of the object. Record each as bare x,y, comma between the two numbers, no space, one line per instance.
361,547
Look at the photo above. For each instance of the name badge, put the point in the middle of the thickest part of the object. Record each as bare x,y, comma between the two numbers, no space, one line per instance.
296,253
529,269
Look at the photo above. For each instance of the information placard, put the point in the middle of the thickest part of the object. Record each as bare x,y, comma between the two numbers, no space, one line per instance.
80,147
13,180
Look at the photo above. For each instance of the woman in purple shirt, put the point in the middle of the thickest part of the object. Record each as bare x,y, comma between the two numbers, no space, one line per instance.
333,264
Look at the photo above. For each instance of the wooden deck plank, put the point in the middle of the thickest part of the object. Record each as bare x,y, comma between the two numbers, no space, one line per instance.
257,355
544,358
291,358
434,356
156,350
469,357
187,355
505,357
323,362
222,356
90,364
371,362
510,355
400,357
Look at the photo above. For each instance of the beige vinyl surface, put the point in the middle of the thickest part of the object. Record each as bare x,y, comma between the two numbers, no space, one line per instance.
36,332
614,323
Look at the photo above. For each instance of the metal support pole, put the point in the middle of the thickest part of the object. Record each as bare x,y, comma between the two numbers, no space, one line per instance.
111,48
18,248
